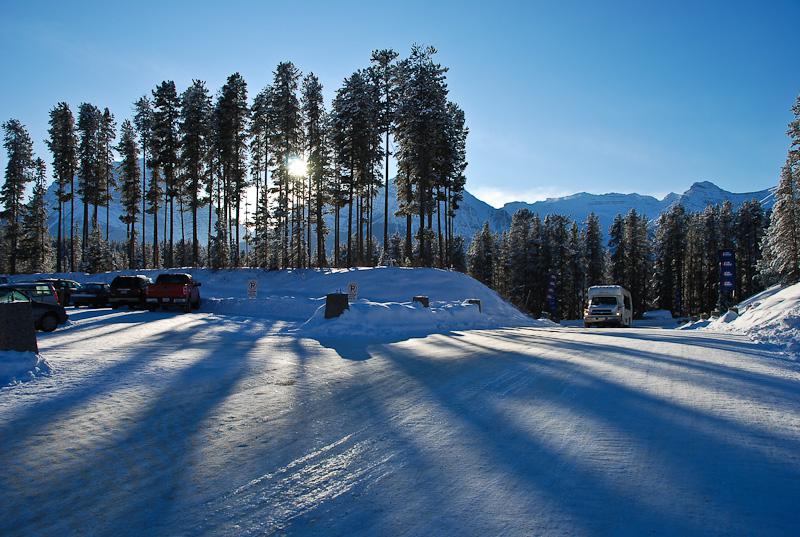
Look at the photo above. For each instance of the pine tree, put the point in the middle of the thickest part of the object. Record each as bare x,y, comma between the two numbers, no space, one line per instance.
316,147
166,147
617,247
107,134
384,71
98,256
480,257
670,241
595,254
782,239
63,144
89,119
19,172
129,185
750,225
220,253
143,120
36,248
195,140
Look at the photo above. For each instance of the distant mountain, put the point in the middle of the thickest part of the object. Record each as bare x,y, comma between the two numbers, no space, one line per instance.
607,206
472,214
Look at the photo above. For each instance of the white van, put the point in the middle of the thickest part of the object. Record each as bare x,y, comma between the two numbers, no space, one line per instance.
608,305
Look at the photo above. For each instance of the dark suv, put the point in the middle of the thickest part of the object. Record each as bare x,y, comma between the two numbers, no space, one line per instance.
128,290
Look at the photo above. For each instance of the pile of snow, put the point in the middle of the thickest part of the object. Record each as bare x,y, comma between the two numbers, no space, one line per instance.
384,297
387,319
772,316
16,366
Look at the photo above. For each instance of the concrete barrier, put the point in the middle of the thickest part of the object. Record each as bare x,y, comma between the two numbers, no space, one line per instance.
335,304
17,332
423,300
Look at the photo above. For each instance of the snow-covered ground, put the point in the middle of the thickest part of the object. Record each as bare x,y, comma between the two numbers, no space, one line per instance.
201,424
771,317
16,366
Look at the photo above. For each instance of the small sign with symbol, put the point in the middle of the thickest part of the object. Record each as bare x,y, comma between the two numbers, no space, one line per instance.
252,288
352,291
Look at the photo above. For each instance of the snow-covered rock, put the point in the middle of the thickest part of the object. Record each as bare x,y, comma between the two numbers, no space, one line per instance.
16,366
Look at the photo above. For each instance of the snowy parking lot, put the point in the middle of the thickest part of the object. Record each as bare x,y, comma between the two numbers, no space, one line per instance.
171,424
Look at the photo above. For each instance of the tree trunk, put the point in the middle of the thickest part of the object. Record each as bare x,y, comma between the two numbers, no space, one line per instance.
386,199
58,239
144,201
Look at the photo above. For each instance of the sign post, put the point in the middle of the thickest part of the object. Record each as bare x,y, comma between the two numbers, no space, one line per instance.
252,288
727,278
352,291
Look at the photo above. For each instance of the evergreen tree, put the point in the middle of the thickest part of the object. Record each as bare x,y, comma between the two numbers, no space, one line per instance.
617,247
782,239
36,248
195,140
166,147
129,185
480,257
318,159
595,254
99,257
63,144
670,242
107,134
220,253
19,172
89,170
143,120
384,71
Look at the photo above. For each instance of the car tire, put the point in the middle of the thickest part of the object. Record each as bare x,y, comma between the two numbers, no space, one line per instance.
48,322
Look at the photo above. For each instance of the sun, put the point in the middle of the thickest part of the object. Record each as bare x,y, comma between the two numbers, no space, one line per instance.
298,166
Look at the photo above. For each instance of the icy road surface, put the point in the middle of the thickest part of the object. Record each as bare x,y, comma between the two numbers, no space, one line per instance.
172,424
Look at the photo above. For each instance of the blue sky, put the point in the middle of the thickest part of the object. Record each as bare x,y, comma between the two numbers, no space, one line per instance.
560,97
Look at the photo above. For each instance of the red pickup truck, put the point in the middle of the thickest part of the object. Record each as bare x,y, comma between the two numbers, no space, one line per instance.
178,290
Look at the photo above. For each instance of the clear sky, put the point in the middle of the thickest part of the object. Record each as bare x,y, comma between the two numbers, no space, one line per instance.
560,97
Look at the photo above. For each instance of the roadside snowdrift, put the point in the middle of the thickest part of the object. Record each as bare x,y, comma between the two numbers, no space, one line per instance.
384,298
772,317
16,366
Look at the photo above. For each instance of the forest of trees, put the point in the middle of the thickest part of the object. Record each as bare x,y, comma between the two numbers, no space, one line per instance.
671,263
185,152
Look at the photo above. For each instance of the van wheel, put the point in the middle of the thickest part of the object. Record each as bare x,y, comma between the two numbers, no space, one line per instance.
49,322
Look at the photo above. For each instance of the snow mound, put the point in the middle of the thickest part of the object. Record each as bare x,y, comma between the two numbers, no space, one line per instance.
295,296
16,367
389,319
772,317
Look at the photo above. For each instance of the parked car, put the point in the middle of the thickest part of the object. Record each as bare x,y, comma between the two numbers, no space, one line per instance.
46,317
178,290
128,290
40,292
91,294
64,287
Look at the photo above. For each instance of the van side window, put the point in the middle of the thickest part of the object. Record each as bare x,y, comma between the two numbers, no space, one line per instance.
627,303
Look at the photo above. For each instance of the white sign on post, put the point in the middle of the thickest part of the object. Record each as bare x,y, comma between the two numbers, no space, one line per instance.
352,291
252,288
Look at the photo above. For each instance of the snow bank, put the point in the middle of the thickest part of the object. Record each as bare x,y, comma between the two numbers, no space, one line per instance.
384,295
16,366
772,316
388,319
657,315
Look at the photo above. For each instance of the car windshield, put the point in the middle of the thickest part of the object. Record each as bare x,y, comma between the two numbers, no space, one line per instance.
93,287
604,301
173,278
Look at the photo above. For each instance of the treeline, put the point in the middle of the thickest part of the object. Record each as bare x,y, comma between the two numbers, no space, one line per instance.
182,153
673,268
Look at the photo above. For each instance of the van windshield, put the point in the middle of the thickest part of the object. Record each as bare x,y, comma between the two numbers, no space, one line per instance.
604,301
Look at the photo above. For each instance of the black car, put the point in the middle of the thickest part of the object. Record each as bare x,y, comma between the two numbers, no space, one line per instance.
91,294
46,317
128,290
63,287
